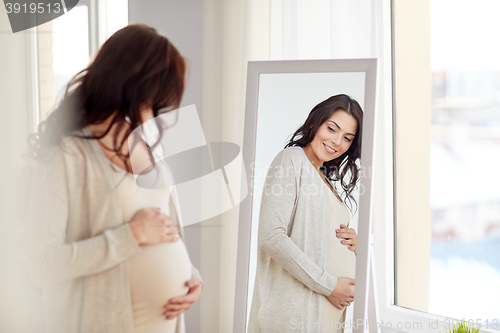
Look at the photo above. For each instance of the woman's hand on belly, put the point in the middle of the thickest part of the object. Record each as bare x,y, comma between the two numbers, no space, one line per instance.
349,236
342,295
178,305
150,226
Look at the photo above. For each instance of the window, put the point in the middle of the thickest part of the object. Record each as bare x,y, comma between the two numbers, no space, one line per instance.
63,47
446,87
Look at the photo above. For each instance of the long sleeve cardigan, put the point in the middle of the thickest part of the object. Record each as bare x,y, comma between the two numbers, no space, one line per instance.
292,276
78,243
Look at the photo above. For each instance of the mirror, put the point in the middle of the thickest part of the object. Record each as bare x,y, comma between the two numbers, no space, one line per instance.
280,96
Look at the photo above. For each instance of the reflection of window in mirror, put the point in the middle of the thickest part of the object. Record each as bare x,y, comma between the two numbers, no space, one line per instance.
447,153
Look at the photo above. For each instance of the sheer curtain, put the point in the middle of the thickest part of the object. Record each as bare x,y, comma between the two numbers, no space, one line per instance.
236,32
322,29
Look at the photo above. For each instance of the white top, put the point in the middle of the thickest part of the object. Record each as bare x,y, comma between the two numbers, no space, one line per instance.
342,264
158,272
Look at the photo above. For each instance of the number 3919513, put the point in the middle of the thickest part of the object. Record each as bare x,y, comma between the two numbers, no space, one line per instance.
33,8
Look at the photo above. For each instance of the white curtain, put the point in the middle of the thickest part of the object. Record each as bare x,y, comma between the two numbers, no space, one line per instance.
322,29
235,32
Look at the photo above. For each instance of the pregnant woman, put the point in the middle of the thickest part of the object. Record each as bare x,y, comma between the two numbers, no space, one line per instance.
106,252
306,252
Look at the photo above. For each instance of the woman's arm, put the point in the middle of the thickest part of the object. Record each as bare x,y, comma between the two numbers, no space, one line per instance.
51,259
275,212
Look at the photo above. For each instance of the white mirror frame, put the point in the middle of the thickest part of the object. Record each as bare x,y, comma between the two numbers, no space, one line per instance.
255,69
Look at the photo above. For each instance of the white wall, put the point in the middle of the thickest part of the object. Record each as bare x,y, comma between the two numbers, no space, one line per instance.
20,303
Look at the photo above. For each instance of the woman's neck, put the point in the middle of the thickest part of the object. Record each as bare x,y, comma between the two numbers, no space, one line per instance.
101,128
136,161
312,157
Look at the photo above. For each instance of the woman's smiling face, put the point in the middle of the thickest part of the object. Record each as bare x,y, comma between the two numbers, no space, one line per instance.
333,137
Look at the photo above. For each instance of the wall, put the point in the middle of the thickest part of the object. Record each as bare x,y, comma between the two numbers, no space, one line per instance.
20,303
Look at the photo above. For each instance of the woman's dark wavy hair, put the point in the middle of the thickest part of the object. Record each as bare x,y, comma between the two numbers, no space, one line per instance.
337,169
135,67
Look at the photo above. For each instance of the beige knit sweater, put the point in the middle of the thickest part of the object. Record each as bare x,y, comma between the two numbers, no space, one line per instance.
78,245
292,276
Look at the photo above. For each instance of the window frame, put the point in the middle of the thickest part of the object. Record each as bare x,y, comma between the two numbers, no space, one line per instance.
97,35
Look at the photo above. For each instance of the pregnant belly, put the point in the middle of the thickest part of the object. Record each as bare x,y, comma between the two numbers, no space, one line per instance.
157,274
342,264
342,260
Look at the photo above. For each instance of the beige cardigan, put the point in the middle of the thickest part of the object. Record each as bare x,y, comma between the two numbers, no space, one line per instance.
292,276
78,245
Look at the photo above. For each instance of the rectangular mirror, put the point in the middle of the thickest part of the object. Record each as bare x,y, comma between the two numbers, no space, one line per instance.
280,96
